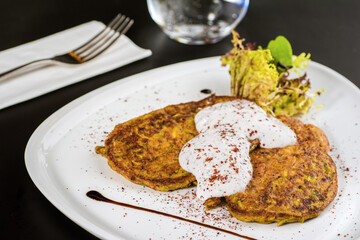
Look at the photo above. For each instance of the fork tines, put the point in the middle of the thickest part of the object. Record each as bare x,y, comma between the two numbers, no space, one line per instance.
103,40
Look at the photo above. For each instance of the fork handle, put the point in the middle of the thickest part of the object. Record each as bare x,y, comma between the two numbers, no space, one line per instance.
23,67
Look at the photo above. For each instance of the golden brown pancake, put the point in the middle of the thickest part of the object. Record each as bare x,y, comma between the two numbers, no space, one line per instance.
289,184
145,149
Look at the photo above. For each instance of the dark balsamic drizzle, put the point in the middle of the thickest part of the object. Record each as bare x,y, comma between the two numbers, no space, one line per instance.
99,197
206,91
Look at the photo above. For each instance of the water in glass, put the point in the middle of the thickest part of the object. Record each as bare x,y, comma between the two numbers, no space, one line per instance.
197,21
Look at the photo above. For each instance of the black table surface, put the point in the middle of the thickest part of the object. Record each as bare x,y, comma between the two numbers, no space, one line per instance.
329,30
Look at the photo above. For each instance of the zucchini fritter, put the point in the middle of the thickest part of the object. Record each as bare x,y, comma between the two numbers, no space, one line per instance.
145,149
289,184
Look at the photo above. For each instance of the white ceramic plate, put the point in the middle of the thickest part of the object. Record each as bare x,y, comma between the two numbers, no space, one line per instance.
61,161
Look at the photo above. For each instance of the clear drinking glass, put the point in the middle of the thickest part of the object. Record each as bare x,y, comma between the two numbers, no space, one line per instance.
197,21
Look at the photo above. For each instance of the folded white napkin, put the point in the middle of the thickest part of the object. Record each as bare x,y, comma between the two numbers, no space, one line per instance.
44,80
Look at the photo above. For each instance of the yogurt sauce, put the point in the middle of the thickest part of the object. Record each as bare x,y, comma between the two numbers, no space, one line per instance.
219,155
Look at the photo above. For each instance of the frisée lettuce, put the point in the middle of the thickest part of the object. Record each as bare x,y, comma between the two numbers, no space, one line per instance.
262,75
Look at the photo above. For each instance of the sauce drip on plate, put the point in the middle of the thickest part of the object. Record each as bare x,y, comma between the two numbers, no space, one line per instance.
99,197
219,155
206,91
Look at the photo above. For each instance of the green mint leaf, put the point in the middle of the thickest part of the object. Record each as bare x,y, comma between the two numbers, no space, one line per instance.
281,50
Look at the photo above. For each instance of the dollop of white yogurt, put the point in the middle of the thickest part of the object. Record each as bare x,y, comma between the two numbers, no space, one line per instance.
219,155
